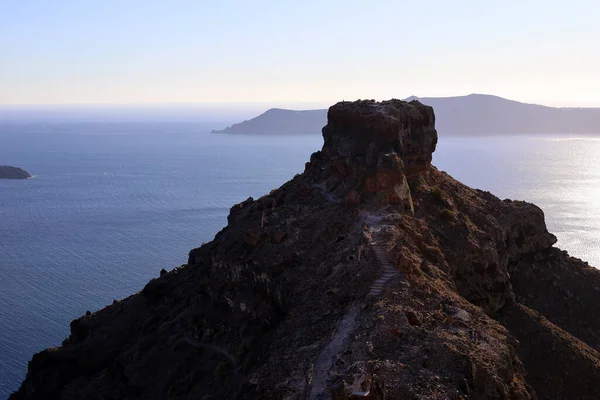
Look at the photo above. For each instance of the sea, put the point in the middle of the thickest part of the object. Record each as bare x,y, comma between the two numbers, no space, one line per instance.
112,203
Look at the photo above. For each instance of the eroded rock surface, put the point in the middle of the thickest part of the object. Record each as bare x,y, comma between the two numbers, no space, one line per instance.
371,148
371,275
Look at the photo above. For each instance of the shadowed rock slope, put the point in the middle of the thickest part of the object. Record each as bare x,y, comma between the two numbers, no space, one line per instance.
371,275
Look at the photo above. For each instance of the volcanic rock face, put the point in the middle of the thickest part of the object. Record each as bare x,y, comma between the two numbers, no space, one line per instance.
370,275
372,148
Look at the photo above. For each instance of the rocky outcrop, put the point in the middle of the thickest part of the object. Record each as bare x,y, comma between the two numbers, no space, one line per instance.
372,148
372,274
8,172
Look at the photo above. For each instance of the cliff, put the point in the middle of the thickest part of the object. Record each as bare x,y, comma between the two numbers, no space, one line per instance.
475,115
8,172
371,275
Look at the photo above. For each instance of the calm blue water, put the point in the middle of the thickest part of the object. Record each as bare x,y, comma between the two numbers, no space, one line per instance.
112,204
560,174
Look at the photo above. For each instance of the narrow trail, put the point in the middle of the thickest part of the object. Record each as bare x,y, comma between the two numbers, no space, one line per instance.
348,323
383,256
329,353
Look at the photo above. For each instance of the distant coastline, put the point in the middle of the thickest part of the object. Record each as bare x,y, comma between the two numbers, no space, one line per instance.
278,121
9,172
472,115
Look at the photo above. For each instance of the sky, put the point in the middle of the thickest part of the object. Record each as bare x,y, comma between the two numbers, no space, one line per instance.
297,52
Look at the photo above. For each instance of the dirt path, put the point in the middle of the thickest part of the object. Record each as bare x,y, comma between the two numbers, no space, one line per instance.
384,257
348,323
388,273
328,354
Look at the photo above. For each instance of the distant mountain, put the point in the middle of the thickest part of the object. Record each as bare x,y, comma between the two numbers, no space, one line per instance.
475,114
277,121
485,114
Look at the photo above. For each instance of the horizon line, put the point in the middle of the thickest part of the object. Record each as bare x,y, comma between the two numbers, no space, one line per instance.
272,104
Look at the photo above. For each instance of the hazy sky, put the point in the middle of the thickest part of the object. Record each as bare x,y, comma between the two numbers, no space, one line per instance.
147,51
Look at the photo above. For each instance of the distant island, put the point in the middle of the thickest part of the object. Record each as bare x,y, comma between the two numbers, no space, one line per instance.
278,121
475,114
8,172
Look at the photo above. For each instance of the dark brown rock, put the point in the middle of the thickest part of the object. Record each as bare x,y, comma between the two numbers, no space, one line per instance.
413,318
371,148
552,355
278,237
252,238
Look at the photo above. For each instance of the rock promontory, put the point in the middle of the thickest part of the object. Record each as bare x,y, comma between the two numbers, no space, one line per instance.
8,172
370,275
371,148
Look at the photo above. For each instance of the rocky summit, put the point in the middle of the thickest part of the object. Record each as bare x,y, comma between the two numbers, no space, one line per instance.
371,275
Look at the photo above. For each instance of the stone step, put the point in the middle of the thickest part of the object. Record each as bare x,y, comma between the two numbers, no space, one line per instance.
387,264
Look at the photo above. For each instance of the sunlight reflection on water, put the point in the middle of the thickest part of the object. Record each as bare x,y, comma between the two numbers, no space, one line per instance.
559,174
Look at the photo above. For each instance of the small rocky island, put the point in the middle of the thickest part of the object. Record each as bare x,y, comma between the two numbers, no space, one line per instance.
8,172
370,275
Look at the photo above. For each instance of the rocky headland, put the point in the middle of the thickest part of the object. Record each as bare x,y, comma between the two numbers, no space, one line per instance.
8,172
370,275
